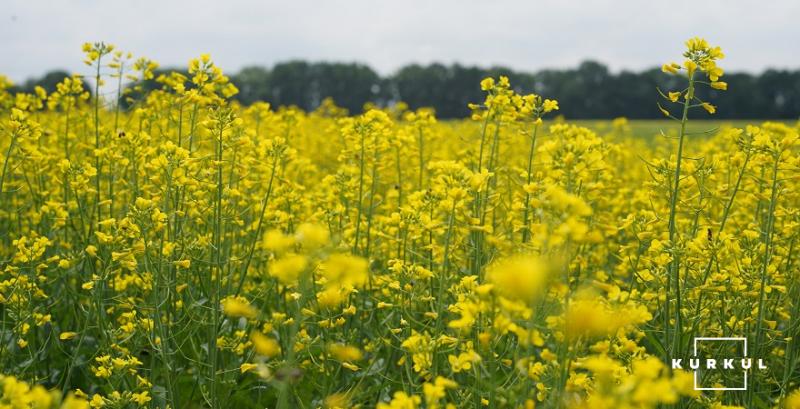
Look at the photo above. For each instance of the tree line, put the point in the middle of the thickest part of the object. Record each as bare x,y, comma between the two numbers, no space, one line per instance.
589,91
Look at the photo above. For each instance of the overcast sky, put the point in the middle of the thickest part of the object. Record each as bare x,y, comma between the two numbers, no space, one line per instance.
37,35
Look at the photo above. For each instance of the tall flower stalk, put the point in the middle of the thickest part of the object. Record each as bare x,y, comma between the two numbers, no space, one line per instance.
698,56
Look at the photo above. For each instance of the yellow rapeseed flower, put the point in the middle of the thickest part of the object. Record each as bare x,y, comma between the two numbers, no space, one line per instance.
521,278
238,307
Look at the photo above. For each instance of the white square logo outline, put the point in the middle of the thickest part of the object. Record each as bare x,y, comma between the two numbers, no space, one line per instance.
744,340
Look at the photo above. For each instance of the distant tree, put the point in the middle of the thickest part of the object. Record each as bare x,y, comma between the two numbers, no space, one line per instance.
781,91
423,86
448,89
589,91
350,85
48,81
291,84
253,83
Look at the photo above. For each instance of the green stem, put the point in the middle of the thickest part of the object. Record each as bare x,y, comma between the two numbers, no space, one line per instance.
674,267
258,228
712,259
769,228
216,266
6,160
526,233
97,138
421,160
360,193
